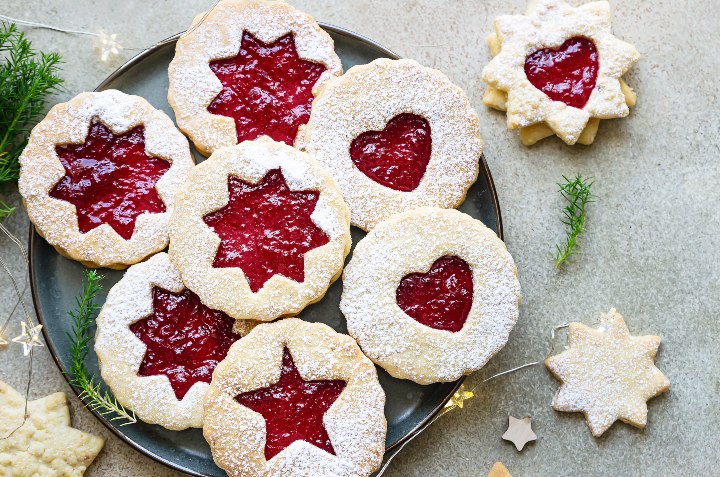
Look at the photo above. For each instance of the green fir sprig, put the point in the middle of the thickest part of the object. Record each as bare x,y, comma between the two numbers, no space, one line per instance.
578,195
5,210
83,317
27,78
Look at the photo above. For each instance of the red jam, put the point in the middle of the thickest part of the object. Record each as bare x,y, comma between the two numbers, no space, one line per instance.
110,179
397,156
567,73
293,409
185,339
267,89
440,298
266,229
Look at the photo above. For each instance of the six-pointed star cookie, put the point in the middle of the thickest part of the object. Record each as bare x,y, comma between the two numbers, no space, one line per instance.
559,66
46,444
607,374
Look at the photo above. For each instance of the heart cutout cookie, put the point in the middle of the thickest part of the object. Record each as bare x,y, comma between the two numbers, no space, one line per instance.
567,73
397,156
440,298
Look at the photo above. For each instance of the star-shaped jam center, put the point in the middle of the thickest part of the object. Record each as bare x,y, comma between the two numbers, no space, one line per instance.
267,88
266,229
185,339
110,179
293,408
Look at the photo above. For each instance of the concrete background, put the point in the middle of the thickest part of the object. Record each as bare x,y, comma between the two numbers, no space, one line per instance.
651,249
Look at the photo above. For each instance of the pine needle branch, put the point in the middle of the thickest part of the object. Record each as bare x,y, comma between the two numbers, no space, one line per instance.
577,194
5,210
27,78
83,317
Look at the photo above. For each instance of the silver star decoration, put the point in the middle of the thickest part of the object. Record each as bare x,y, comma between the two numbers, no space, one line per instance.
519,432
29,338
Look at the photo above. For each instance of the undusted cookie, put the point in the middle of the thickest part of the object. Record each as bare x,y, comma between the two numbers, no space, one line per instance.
47,445
607,374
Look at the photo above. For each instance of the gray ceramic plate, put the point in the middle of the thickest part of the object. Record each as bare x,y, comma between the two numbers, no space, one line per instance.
55,282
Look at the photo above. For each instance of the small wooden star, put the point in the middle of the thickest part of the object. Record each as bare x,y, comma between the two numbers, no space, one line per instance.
499,470
458,399
29,338
519,432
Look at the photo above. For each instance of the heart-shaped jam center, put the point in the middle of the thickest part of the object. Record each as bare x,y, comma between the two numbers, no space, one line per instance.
185,339
567,73
440,298
110,179
266,229
397,156
267,89
293,408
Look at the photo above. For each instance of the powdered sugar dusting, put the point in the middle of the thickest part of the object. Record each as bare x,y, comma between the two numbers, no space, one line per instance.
193,244
607,374
120,352
56,220
548,24
408,243
355,422
193,85
366,98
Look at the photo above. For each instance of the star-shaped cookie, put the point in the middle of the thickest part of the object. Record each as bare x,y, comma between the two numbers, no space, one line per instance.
46,444
607,374
557,70
499,470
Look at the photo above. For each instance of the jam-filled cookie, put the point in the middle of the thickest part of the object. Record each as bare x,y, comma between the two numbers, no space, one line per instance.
260,230
248,68
430,295
395,135
296,399
99,175
158,345
558,70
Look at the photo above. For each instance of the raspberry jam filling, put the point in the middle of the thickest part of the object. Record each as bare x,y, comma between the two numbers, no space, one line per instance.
440,298
293,409
567,73
397,156
267,88
110,179
185,339
266,229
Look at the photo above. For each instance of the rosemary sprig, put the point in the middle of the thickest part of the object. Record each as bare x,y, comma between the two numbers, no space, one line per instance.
27,78
83,317
577,194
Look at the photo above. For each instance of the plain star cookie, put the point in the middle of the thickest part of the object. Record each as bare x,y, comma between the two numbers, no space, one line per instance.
296,399
248,68
430,295
607,374
396,135
260,230
557,70
158,345
46,445
99,175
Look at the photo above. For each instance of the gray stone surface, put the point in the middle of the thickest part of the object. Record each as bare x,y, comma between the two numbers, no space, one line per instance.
651,249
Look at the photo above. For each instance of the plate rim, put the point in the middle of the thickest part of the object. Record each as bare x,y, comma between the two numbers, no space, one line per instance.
33,236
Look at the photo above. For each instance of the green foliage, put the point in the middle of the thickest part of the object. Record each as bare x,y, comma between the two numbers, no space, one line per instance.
83,317
27,78
5,210
577,194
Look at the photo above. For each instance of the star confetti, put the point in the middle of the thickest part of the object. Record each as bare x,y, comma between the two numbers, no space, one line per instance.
519,432
29,338
46,444
499,470
607,374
